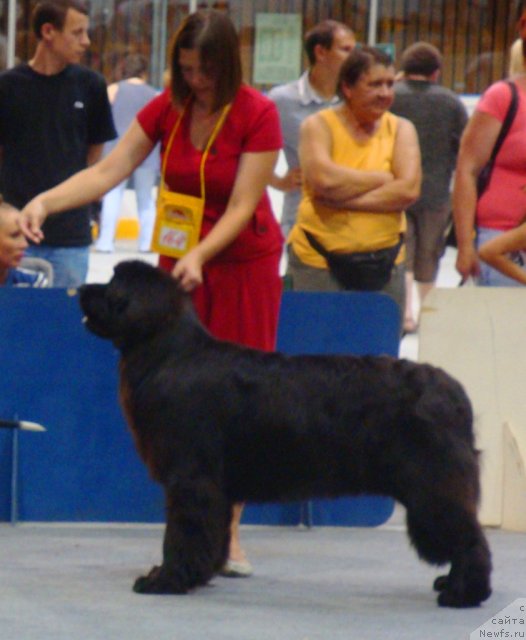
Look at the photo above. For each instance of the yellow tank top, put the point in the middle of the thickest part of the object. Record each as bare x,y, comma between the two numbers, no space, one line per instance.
343,230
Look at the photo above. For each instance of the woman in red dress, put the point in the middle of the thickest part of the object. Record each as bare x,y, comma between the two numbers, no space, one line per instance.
233,271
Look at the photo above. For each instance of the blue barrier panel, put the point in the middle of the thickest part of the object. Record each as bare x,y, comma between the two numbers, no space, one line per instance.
337,323
84,468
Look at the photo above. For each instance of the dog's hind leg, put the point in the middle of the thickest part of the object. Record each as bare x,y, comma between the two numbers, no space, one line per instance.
444,528
468,582
196,537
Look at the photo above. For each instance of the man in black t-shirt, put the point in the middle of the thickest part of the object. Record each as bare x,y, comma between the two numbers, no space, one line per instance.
54,119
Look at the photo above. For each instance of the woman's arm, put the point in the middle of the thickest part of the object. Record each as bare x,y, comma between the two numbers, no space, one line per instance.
404,189
476,146
253,175
90,184
495,252
326,178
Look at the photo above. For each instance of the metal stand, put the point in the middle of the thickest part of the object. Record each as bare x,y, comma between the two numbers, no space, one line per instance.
14,478
306,517
16,425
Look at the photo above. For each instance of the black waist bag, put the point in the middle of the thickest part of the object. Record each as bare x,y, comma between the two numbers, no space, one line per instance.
364,271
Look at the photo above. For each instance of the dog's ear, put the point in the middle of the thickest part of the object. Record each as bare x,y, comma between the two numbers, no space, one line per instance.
143,300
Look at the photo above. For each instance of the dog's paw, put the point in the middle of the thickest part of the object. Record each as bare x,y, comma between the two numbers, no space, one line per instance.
157,582
463,600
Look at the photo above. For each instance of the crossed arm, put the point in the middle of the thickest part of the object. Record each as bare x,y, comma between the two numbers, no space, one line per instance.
342,187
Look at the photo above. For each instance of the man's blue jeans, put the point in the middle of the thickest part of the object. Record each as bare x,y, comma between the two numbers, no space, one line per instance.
70,264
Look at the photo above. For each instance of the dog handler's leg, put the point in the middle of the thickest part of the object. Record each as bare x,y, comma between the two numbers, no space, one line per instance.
196,537
237,565
235,551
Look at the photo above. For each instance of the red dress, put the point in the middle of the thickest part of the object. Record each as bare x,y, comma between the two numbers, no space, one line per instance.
241,291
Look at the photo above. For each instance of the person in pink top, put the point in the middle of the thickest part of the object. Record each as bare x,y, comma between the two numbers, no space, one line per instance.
502,206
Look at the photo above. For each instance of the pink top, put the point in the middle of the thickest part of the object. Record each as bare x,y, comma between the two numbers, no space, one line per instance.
252,125
503,204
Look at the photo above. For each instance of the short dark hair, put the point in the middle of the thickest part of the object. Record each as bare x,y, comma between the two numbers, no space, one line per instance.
421,58
322,33
213,34
360,60
134,65
54,12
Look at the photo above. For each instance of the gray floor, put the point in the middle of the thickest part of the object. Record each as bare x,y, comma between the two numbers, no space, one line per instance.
74,583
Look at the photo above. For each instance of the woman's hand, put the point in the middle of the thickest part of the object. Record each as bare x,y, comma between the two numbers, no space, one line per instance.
253,176
188,270
467,263
32,218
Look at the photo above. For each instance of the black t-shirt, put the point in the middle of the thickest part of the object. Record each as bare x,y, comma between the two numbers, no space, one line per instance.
47,124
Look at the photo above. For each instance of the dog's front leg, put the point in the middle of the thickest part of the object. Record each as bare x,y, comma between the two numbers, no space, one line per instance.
196,537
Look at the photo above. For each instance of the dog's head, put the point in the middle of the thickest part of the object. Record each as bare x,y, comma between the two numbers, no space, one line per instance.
139,300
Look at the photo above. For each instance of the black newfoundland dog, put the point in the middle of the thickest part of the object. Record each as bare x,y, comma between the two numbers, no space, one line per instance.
218,424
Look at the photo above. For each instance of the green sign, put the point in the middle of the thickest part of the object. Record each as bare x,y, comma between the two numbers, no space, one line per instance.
387,47
277,54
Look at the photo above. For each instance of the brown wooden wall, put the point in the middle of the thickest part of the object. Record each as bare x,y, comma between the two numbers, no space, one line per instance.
474,35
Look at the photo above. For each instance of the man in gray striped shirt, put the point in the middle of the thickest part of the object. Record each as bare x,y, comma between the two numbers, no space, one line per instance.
327,45
439,117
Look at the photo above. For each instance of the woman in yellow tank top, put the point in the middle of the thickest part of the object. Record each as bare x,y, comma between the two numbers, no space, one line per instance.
361,169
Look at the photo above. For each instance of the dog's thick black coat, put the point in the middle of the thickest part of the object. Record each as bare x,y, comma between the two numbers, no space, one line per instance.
218,424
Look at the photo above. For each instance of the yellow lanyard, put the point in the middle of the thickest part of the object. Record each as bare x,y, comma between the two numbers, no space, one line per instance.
214,135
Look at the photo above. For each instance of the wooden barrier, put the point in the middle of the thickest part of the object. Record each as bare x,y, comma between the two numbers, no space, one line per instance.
477,335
